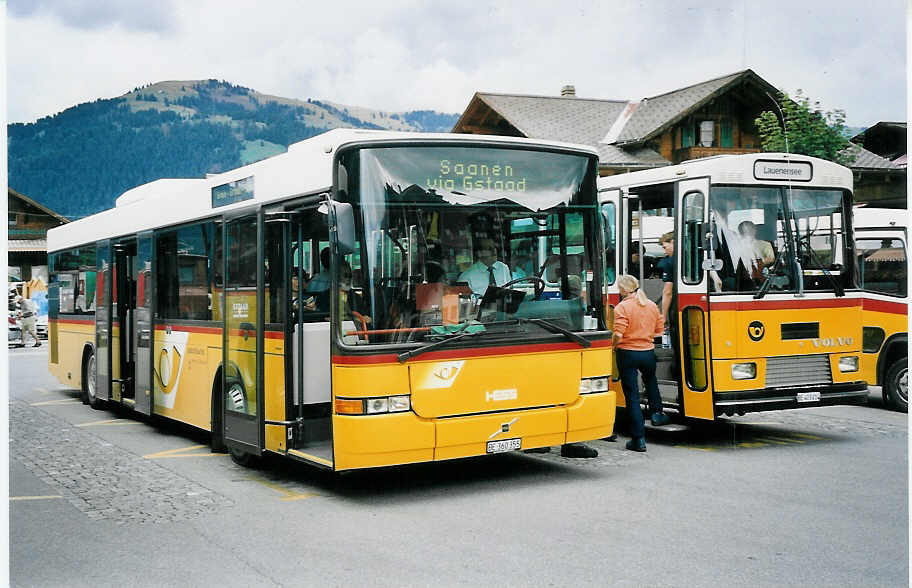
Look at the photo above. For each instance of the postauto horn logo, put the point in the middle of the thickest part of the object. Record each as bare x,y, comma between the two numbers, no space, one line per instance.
755,330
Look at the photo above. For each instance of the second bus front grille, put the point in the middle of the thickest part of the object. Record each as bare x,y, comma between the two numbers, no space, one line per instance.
798,370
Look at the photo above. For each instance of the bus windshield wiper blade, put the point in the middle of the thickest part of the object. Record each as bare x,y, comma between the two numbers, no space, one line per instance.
837,287
554,328
404,357
765,286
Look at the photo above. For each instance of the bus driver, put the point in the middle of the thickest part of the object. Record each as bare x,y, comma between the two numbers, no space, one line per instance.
487,269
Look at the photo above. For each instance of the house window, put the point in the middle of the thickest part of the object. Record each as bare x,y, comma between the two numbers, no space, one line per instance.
707,132
726,136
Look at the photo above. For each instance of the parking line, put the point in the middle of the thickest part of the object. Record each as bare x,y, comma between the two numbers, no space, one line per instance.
287,495
52,496
181,452
58,401
806,436
110,422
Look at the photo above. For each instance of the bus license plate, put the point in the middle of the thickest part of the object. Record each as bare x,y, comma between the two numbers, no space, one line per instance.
808,396
503,445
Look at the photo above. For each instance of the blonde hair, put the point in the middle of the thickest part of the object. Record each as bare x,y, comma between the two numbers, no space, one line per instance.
631,284
667,237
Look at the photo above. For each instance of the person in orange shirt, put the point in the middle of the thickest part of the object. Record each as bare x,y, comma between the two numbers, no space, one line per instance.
637,321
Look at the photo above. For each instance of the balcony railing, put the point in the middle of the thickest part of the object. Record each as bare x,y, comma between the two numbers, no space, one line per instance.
696,152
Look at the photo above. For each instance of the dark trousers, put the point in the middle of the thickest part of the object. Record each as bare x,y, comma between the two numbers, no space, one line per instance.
631,364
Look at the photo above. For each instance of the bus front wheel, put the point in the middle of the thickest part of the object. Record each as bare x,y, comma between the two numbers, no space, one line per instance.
89,383
242,458
896,386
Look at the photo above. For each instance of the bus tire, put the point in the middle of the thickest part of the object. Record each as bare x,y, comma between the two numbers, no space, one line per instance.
89,383
896,386
242,458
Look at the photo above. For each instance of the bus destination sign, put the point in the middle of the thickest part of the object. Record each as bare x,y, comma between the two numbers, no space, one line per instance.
232,192
796,171
470,175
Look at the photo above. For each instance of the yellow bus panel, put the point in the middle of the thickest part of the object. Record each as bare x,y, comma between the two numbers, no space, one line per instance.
591,417
467,436
380,440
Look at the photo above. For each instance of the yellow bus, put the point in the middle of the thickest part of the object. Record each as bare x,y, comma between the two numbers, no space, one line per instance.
880,248
333,303
764,312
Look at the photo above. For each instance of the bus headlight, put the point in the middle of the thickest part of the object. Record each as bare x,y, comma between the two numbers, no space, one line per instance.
377,405
744,371
399,404
593,385
848,364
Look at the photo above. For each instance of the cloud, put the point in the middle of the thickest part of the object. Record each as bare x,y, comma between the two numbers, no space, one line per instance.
409,54
134,15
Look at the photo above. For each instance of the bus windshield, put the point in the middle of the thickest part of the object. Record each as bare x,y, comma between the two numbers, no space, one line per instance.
455,237
759,248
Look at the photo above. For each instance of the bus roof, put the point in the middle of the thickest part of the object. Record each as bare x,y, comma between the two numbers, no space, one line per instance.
737,169
879,218
305,168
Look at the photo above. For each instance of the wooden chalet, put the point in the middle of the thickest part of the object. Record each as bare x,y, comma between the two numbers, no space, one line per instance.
713,117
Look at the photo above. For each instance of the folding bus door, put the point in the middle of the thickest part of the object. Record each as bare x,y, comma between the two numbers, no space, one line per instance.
142,324
692,202
242,411
103,321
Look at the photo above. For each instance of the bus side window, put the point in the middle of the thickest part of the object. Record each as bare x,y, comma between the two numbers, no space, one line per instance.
691,239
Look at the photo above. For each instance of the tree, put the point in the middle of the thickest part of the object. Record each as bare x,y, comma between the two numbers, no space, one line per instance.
809,130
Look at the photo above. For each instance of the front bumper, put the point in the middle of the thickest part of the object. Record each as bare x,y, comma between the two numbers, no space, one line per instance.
729,403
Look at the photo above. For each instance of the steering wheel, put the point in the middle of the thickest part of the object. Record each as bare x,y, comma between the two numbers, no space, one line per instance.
539,284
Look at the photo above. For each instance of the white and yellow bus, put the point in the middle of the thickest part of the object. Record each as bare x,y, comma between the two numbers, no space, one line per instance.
183,300
765,309
880,248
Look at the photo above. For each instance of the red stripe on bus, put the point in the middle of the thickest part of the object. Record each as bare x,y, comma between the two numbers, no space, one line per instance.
786,304
885,306
465,353
218,331
61,321
189,329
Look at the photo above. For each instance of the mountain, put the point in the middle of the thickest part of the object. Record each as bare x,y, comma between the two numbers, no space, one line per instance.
78,161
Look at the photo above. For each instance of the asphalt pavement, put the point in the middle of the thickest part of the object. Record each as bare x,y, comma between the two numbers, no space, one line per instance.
790,498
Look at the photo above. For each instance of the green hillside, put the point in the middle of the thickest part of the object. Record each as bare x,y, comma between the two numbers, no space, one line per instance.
78,161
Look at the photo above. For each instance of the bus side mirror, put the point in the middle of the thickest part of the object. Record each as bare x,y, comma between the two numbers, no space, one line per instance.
712,264
343,227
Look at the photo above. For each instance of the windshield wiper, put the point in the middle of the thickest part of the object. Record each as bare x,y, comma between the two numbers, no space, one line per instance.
554,328
837,287
769,276
404,357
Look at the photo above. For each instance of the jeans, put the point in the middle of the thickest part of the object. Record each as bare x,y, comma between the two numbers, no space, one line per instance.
629,363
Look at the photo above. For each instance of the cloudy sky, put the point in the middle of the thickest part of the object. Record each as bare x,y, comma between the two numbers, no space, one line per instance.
410,54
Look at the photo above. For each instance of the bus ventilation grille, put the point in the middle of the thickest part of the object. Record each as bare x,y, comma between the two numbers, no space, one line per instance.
798,370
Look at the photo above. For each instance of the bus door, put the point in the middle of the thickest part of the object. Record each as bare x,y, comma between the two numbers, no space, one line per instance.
141,336
613,252
646,217
103,321
308,351
242,406
123,303
694,265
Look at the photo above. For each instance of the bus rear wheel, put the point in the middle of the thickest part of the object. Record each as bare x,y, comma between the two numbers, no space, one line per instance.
89,383
896,386
242,458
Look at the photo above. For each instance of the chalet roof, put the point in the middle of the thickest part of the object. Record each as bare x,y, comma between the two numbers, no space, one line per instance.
16,195
886,125
636,157
27,245
864,159
655,114
561,118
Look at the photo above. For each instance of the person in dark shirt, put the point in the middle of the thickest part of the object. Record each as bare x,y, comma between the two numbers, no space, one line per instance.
667,268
